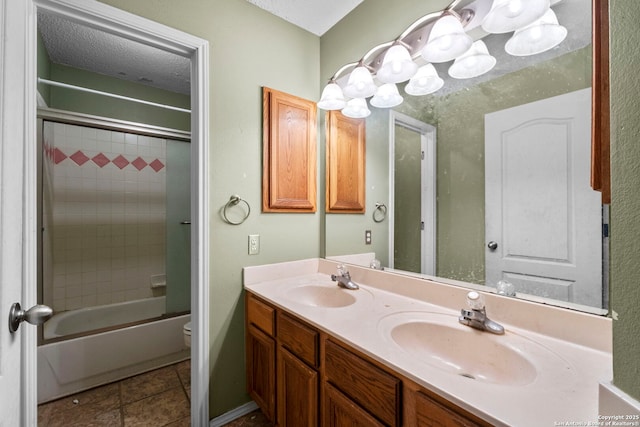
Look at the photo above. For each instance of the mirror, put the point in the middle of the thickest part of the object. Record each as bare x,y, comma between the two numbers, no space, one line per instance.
551,219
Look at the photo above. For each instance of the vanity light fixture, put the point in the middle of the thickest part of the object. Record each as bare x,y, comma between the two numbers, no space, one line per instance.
360,84
447,40
510,15
538,37
397,65
425,81
387,96
473,63
438,37
332,97
356,109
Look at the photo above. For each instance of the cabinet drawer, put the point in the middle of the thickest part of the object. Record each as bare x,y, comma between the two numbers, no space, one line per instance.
260,314
369,386
298,338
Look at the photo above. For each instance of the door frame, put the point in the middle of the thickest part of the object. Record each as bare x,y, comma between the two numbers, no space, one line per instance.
125,24
428,188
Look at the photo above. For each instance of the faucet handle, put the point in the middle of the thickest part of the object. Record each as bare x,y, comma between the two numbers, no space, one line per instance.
475,301
342,270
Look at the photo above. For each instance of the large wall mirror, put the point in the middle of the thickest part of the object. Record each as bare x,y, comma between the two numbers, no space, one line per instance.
488,179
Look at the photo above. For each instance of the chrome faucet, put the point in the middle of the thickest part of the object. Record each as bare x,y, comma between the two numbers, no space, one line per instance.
476,315
344,278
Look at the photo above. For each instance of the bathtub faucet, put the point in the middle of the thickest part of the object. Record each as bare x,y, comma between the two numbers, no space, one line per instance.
344,278
476,315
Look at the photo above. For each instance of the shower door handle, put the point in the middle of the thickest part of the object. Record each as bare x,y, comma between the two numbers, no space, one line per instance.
36,315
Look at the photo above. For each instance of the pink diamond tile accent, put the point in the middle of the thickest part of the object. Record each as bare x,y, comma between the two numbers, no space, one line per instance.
79,157
120,161
100,160
58,156
156,165
139,164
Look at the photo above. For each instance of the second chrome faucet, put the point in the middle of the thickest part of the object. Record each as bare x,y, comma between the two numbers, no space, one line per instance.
344,278
476,315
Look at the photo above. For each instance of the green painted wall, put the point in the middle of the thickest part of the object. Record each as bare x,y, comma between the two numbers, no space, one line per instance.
249,48
44,70
625,197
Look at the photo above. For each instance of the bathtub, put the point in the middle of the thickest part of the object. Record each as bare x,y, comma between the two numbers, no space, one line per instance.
69,366
103,316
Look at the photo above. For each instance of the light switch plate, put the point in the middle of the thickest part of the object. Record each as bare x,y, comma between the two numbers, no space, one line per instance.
254,244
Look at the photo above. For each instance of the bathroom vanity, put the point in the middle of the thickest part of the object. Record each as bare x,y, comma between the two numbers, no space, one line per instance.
392,353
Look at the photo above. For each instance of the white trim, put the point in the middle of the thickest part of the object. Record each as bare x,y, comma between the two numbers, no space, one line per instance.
124,24
428,188
234,414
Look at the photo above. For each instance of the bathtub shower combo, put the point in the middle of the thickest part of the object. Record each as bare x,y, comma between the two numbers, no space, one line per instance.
115,253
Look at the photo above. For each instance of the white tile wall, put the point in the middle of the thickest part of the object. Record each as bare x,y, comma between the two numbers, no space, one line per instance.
107,224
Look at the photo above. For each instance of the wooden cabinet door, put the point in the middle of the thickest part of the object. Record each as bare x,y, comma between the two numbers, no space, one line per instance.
340,411
289,153
297,392
345,181
261,374
430,413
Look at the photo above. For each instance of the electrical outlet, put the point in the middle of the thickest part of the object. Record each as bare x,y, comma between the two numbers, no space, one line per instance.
254,244
367,237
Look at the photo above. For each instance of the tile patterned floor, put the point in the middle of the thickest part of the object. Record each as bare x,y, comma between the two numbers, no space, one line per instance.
157,398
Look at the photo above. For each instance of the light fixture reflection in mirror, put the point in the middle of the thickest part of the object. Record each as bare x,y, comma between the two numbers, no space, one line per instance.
473,63
538,37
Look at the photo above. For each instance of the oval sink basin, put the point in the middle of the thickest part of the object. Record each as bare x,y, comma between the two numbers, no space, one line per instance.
468,353
322,296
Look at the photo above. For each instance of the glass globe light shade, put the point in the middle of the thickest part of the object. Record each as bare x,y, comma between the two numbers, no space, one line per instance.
356,108
360,83
510,15
425,81
475,62
397,65
332,98
386,96
447,40
538,37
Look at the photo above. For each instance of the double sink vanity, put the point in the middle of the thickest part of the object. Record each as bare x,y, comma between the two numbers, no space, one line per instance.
393,352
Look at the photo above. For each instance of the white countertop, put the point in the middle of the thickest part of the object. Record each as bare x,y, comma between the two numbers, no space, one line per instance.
559,356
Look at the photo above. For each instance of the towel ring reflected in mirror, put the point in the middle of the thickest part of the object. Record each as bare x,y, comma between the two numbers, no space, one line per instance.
234,201
380,212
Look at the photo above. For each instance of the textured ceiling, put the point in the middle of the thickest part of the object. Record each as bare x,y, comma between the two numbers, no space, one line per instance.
78,46
315,16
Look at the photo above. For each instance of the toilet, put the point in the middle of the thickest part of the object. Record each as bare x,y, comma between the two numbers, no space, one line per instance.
186,331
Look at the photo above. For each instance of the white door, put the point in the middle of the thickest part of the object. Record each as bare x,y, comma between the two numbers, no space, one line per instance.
543,222
17,215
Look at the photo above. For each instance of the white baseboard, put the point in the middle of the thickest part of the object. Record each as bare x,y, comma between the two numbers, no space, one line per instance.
227,417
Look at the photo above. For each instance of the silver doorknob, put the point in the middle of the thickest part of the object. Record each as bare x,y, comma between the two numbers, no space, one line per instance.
492,245
36,315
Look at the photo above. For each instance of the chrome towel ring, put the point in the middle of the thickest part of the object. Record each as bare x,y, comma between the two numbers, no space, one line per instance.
233,201
380,212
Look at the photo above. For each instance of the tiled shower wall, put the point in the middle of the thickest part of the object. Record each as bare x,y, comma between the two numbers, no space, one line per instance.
104,195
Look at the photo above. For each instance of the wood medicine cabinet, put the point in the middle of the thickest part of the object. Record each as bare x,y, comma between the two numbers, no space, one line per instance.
345,180
289,153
